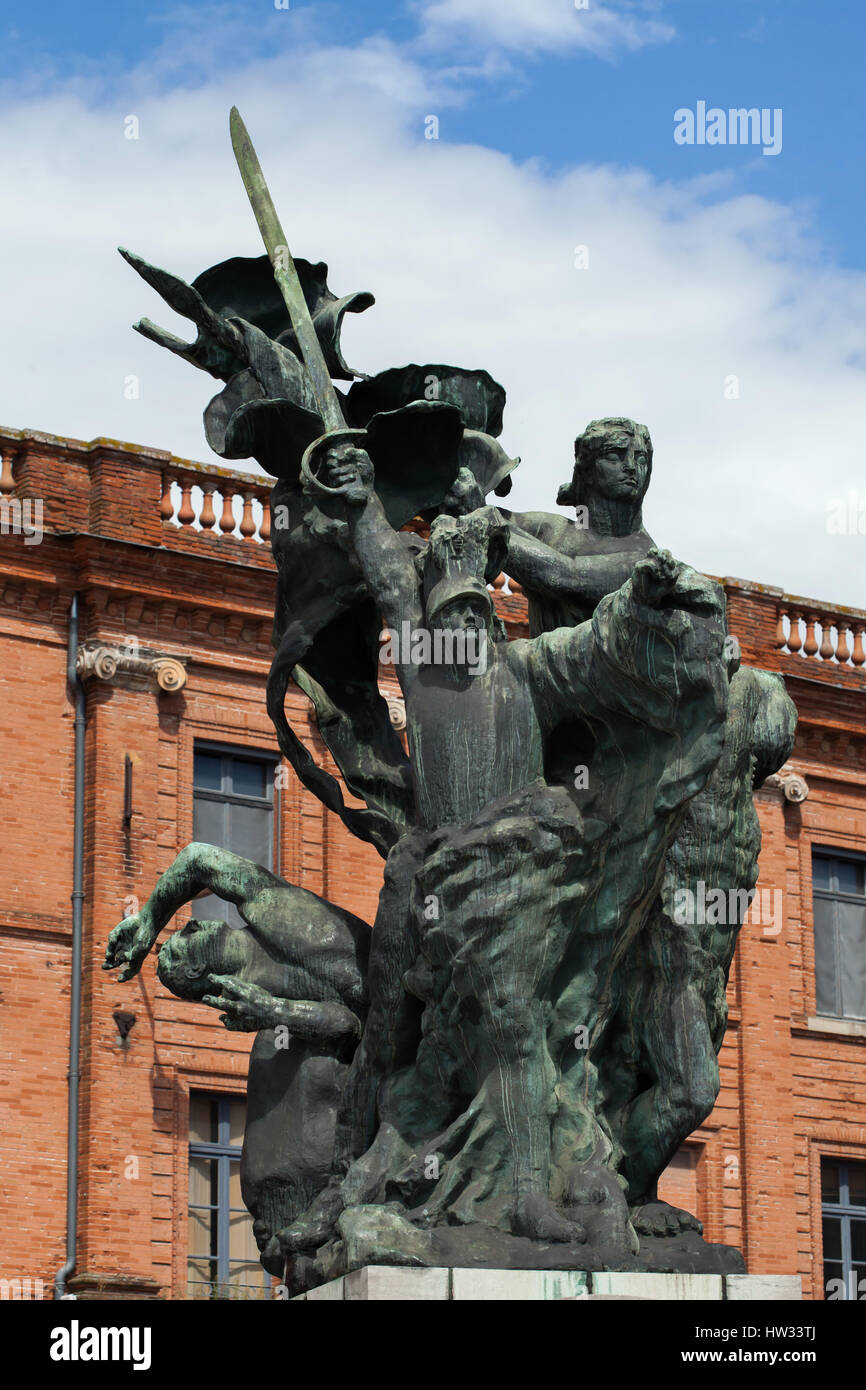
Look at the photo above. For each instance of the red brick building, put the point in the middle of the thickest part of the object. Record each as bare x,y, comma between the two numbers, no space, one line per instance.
175,589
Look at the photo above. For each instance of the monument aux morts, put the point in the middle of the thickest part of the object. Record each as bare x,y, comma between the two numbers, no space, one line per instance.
496,1074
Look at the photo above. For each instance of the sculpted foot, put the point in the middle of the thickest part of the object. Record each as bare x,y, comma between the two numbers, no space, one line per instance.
317,1225
660,1219
535,1216
272,1258
597,1192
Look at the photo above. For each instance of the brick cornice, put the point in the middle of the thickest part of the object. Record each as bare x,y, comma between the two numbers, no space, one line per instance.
139,455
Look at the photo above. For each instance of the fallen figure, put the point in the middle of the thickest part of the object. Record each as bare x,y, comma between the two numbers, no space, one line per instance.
295,975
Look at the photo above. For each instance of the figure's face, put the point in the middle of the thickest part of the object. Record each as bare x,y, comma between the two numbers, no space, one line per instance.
465,614
199,950
619,472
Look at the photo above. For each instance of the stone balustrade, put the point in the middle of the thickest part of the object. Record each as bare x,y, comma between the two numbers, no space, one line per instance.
7,479
219,501
808,630
503,584
111,489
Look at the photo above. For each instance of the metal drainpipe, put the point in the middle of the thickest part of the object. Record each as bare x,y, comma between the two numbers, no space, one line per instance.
74,1074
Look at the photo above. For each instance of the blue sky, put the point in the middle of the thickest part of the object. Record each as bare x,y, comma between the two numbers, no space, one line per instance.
794,54
707,264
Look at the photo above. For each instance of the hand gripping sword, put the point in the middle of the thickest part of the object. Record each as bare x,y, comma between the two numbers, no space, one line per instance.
289,286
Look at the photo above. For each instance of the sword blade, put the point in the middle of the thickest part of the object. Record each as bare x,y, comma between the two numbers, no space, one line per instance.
285,273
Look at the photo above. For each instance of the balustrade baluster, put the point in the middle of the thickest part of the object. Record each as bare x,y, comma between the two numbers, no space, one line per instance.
826,652
248,526
208,515
227,518
7,482
185,515
166,505
810,646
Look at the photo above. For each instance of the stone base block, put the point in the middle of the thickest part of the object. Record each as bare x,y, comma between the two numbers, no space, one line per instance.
781,1288
93,1287
389,1282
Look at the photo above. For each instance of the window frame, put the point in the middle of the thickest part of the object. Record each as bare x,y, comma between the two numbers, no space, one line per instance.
223,1153
844,1212
270,760
834,895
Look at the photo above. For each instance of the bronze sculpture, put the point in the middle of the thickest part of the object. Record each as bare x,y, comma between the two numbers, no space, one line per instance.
492,1071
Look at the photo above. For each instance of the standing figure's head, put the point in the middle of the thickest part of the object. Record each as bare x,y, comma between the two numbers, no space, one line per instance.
458,606
612,469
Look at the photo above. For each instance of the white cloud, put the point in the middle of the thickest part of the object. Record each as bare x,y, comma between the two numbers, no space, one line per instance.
604,28
471,257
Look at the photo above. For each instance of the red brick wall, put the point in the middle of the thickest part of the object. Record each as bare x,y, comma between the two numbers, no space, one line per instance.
790,1092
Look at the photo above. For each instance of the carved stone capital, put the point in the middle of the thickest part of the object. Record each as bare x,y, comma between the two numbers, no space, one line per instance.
396,711
792,786
130,663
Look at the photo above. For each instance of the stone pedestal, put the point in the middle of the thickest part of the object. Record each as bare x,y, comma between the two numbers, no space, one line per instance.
387,1282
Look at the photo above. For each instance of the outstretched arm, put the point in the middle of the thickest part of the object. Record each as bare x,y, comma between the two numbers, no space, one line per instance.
580,580
653,644
387,566
197,867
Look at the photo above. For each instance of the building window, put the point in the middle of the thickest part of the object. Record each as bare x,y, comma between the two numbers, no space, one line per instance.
843,1208
840,933
222,1258
233,807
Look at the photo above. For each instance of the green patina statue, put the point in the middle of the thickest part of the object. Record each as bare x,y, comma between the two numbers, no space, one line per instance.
499,1071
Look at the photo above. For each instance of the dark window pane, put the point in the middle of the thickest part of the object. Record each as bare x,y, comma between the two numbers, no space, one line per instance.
202,1182
858,1241
246,830
207,768
201,1233
832,1230
851,920
202,1119
213,909
251,832
242,1242
825,957
830,1182
857,1185
820,871
248,778
834,1282
237,1119
850,876
209,821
